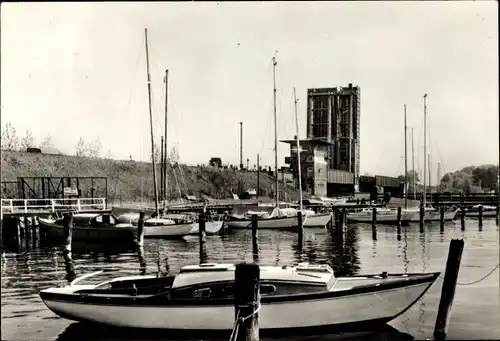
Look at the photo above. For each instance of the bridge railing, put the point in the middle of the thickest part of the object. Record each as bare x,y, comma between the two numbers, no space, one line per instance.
51,205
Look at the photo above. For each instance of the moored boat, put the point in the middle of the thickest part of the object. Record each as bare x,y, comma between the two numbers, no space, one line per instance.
89,226
384,215
431,214
488,211
163,227
200,298
268,217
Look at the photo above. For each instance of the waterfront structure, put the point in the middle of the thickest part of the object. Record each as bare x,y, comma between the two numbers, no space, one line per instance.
314,164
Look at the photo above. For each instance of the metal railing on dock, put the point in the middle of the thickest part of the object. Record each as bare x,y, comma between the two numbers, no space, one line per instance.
20,206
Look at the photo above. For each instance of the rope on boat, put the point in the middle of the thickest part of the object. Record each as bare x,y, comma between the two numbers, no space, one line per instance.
479,280
240,320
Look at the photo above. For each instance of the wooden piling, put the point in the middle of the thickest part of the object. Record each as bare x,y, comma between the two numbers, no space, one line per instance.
462,217
33,229
246,302
374,217
69,266
480,215
448,289
140,229
300,229
422,215
255,233
68,230
441,218
399,219
202,235
340,222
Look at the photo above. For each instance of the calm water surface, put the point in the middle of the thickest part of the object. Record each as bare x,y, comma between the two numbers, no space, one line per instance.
475,313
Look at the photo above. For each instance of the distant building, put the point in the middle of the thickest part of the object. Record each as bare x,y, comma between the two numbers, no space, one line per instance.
333,115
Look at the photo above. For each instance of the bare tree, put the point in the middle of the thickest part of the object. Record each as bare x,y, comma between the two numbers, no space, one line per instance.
46,143
81,148
10,140
109,155
28,141
174,155
94,148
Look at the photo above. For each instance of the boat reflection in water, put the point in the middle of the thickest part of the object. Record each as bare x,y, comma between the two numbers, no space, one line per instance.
79,331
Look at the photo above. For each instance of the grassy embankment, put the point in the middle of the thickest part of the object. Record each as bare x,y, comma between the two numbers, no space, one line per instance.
124,177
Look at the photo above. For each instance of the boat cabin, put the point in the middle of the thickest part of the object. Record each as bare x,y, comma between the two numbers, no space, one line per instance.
216,280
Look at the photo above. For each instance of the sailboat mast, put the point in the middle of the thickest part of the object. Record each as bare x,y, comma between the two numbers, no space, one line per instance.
165,158
275,133
406,168
151,124
413,167
298,149
425,146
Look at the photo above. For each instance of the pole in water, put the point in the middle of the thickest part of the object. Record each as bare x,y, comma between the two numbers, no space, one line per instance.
374,217
68,227
246,302
255,233
300,228
201,230
448,289
462,217
140,229
480,215
422,215
441,218
399,222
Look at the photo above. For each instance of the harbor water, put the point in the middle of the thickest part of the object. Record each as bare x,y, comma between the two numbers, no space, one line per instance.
475,312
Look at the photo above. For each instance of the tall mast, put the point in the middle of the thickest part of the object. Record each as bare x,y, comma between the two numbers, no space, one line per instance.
430,174
298,149
425,146
165,157
406,168
151,124
275,133
413,167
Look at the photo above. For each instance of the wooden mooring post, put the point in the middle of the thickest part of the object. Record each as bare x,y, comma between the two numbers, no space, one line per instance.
441,218
202,234
255,233
339,224
374,223
246,302
422,215
480,216
140,229
448,289
300,229
462,217
68,230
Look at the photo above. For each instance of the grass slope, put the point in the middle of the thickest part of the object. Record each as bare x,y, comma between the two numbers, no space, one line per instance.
129,181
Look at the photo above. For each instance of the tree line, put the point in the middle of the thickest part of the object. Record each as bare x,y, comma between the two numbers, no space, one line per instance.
471,179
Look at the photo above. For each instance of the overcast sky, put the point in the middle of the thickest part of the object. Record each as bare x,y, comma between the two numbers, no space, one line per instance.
78,69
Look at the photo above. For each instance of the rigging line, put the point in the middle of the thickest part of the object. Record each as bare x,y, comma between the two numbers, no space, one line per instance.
138,59
267,126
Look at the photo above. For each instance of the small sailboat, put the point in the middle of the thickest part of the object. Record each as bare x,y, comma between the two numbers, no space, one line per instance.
200,298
